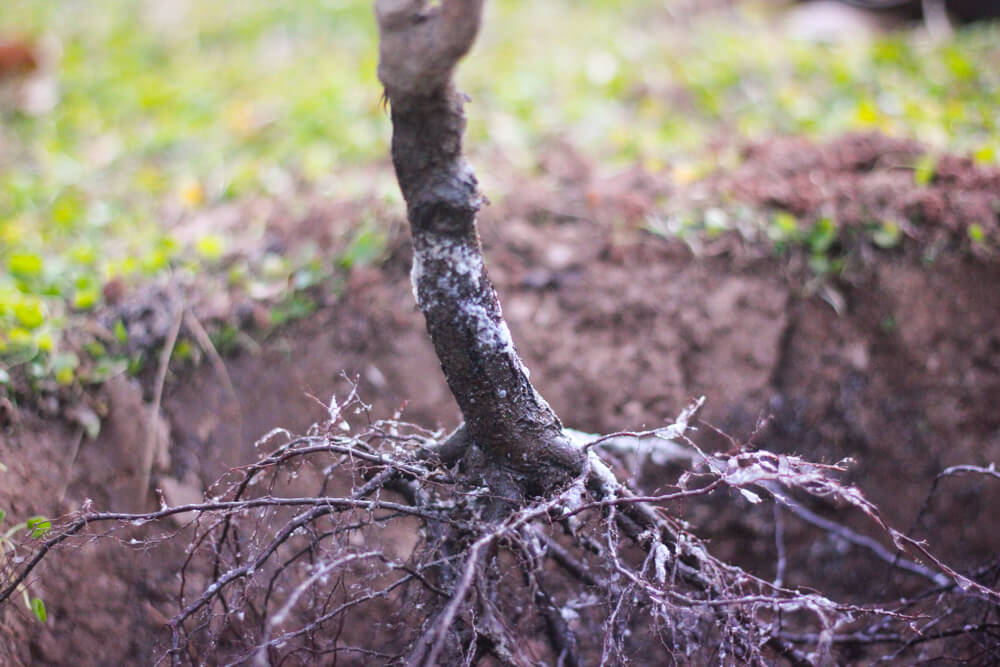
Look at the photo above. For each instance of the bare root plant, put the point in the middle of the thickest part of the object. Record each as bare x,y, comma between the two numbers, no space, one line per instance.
513,540
366,548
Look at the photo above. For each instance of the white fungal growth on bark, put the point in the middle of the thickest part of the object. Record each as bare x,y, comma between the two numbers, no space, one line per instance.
661,445
465,266
457,273
416,272
607,481
661,554
491,335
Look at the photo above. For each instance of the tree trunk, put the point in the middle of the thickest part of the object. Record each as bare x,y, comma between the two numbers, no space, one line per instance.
510,434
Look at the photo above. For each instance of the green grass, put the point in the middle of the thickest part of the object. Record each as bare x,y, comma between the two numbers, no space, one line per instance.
624,80
157,120
162,117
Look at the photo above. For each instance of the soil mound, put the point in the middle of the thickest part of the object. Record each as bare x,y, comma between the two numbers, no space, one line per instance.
864,180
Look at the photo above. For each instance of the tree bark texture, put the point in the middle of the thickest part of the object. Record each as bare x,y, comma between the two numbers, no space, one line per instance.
507,423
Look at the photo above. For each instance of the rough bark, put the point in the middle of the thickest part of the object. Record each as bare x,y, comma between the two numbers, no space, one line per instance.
508,426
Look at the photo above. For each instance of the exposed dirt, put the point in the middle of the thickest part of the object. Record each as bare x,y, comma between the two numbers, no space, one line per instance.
621,329
867,179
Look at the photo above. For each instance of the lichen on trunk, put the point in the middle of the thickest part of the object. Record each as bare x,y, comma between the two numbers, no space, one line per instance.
506,420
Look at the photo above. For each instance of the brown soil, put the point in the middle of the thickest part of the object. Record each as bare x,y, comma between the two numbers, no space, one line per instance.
621,329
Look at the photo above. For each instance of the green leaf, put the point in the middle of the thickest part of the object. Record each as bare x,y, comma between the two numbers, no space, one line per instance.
19,338
67,211
94,349
821,236
866,113
25,265
136,363
923,171
44,341
107,368
39,526
30,313
976,234
183,350
38,608
3,515
210,246
64,367
86,298
784,227
83,254
985,154
121,333
295,307
960,65
364,249
887,235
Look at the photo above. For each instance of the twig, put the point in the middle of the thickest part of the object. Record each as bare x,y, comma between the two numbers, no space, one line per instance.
779,545
152,426
862,541
863,637
328,504
428,650
279,616
990,471
72,461
218,365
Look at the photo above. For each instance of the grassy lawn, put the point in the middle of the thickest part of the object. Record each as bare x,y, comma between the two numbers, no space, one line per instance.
169,109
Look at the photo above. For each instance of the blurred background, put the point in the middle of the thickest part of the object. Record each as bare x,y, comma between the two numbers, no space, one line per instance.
120,118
